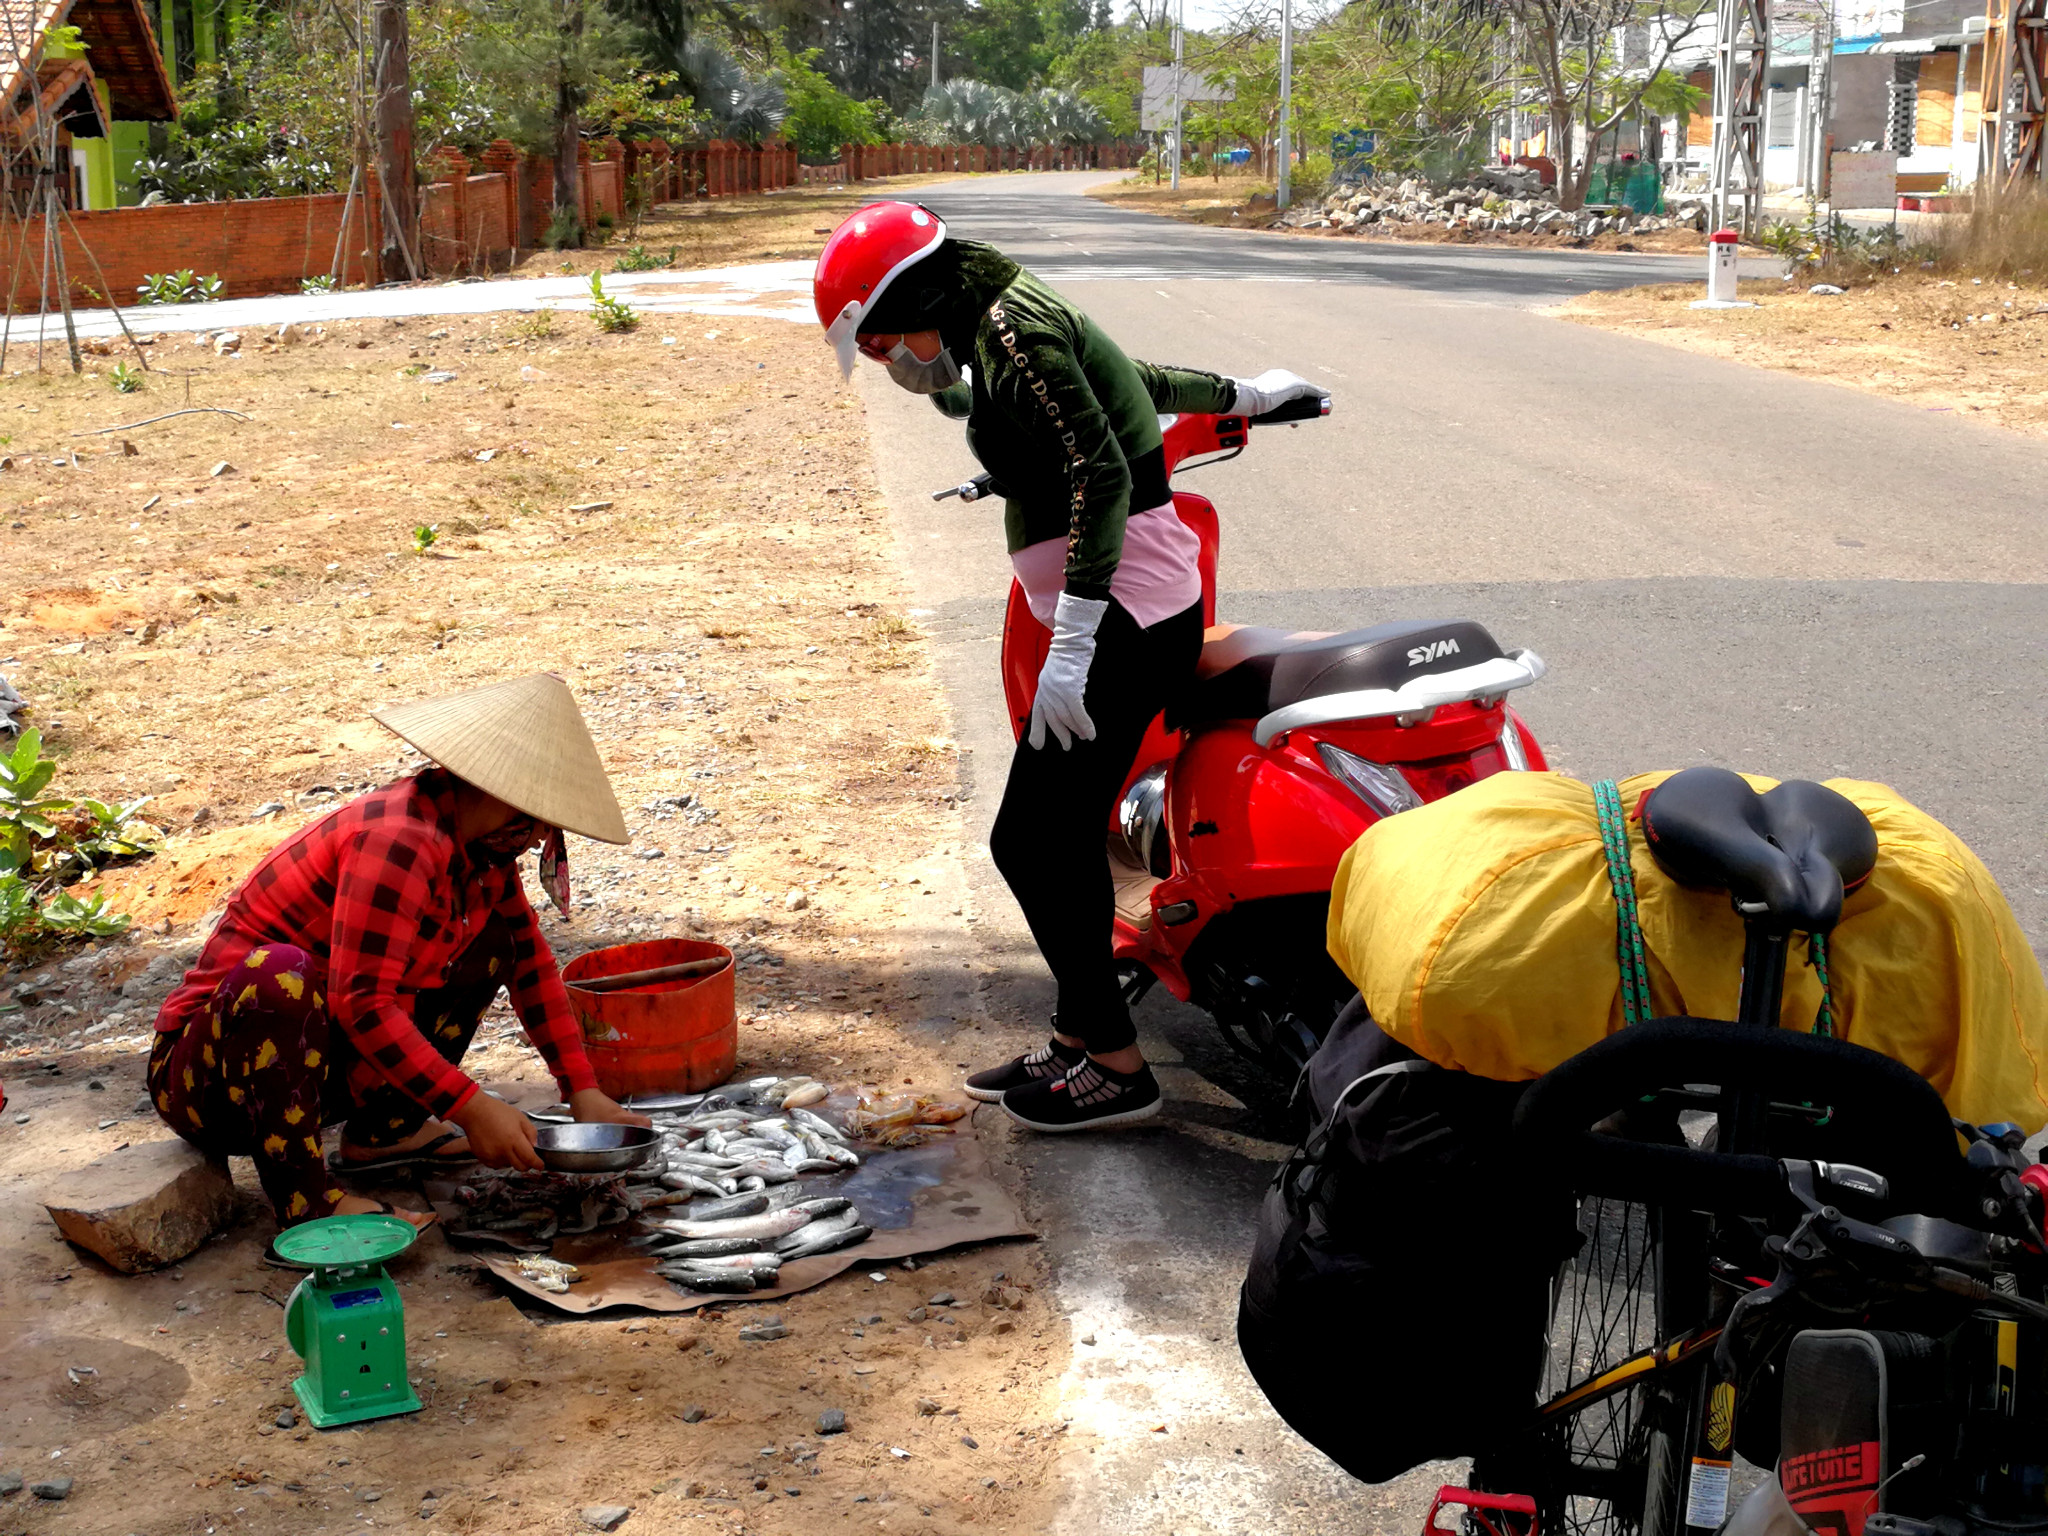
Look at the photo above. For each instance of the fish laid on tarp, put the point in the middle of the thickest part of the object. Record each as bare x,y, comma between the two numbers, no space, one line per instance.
829,1240
767,1225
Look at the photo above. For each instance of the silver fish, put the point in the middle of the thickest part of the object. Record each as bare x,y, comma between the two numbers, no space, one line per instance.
664,1101
753,1182
824,1205
728,1208
825,1242
816,1165
699,1183
818,1123
814,1232
768,1224
809,1093
732,1282
796,1152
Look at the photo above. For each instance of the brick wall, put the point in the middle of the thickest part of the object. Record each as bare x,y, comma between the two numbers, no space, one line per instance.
474,217
262,245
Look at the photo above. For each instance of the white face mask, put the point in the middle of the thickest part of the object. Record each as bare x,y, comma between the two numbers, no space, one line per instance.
921,377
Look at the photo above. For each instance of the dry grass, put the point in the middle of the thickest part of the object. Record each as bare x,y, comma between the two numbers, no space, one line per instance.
788,225
725,607
1975,346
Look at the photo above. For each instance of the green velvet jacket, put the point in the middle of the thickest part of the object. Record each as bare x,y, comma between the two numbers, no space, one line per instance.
1084,482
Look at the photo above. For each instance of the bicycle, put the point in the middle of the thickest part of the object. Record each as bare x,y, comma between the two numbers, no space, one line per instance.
1739,1183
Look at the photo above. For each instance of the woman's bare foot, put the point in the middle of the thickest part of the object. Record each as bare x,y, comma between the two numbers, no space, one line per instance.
355,1152
356,1205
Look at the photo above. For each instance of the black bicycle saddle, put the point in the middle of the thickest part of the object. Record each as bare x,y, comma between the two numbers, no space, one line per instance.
1790,852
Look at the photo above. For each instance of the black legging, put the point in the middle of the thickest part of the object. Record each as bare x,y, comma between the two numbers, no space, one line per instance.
1048,839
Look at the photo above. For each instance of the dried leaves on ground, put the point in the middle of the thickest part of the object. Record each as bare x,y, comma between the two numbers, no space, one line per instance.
1977,347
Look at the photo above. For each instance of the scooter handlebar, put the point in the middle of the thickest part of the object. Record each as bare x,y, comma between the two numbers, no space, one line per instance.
1303,408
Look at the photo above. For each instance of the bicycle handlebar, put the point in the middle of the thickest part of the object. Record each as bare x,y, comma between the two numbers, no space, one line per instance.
1882,1115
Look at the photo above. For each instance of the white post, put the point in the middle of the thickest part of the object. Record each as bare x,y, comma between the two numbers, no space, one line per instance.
1722,257
1179,27
1281,197
1956,143
935,55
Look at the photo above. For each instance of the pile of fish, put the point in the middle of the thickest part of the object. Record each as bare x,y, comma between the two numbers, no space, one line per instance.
740,1244
742,1149
530,1210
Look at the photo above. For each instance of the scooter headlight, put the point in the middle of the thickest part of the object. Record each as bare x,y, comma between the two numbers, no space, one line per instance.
1377,785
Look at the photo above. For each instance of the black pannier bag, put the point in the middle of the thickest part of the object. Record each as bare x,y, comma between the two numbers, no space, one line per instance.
1394,1310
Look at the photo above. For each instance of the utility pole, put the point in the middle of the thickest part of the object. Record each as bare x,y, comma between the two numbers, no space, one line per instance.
1281,198
1742,64
935,55
1179,40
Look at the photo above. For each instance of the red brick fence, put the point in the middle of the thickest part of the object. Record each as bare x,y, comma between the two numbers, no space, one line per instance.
475,216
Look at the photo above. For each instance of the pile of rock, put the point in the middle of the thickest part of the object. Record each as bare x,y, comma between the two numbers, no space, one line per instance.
1506,198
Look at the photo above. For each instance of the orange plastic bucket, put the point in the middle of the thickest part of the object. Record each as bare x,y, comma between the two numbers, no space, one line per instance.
667,1037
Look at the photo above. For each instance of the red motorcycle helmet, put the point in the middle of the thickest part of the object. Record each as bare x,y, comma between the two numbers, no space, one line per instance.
861,259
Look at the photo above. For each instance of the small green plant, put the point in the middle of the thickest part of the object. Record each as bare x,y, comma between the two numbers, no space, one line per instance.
611,314
48,841
639,259
69,917
320,283
181,287
605,224
126,380
538,326
425,537
25,811
413,370
565,230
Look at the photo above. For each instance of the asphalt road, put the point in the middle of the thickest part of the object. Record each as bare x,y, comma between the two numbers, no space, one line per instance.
1721,565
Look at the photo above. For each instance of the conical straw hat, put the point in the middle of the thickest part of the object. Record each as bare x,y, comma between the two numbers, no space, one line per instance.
523,741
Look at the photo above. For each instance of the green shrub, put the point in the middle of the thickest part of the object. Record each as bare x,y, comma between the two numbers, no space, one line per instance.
611,314
639,259
321,283
49,841
564,231
126,380
183,287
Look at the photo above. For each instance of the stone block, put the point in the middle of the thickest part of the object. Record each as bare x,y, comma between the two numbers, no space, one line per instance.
144,1206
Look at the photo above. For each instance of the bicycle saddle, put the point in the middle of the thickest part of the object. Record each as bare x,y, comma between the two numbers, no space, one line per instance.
1791,852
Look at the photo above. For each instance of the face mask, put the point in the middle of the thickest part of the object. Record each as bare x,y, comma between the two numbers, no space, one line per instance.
922,378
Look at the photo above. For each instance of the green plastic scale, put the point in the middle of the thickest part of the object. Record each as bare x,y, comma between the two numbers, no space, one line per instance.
345,1319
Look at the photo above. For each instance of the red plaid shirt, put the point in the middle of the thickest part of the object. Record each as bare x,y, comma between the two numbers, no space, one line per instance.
382,894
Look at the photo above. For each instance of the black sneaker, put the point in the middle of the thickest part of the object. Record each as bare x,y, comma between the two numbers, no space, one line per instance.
1050,1060
1088,1096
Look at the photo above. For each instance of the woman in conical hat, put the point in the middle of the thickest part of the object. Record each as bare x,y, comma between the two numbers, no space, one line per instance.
351,968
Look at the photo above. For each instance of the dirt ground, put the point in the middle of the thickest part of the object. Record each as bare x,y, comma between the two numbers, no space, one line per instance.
1979,347
1229,204
205,609
774,226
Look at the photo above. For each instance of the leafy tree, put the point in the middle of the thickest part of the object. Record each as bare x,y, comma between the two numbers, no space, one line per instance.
821,116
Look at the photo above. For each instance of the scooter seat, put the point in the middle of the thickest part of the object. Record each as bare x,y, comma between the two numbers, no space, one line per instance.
1250,672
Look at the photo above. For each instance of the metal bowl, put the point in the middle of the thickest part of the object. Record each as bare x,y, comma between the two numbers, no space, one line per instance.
593,1148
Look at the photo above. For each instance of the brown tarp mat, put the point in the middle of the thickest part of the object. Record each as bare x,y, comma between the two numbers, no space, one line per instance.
919,1200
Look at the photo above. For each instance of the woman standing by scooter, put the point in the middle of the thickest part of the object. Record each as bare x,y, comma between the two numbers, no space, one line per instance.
1069,427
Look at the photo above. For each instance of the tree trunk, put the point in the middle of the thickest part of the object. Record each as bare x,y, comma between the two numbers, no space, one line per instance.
393,96
1571,186
568,128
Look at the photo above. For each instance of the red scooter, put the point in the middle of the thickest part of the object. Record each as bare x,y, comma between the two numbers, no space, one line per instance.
1289,746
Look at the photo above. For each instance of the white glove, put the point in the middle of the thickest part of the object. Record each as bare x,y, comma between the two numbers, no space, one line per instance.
1063,680
1276,386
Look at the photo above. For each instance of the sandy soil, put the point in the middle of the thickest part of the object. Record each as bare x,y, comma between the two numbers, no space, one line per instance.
690,534
1229,204
1946,344
774,226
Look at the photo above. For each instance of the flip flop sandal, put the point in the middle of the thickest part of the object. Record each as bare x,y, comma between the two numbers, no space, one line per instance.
276,1260
419,1156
